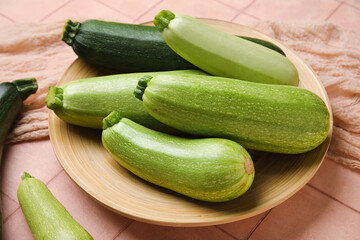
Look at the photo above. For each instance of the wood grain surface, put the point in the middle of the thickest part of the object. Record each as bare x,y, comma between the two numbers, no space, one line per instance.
277,176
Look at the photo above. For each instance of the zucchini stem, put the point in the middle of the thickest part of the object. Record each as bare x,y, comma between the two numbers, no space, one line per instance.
141,86
26,176
162,19
69,32
110,120
54,98
26,87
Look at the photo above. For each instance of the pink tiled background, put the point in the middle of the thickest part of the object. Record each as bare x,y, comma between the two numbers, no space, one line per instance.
328,207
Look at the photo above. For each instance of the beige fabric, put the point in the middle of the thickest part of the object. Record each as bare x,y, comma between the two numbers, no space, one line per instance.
35,50
334,54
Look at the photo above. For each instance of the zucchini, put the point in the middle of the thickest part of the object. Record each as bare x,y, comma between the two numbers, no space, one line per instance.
265,44
210,169
126,47
45,215
222,54
12,95
265,117
86,102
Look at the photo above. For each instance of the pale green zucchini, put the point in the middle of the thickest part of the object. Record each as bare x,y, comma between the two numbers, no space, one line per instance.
266,117
45,215
223,54
210,169
86,102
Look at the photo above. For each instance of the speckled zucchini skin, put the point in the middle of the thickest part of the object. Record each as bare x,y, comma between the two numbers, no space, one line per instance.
266,117
86,102
211,169
45,215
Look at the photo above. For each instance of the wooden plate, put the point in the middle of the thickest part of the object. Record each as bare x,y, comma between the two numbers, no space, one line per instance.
278,177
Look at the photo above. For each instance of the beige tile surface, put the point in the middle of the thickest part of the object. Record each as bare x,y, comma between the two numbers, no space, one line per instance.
245,19
196,8
133,8
338,182
239,5
309,214
100,222
354,3
16,227
327,208
32,157
292,10
76,9
29,11
8,206
243,229
140,231
347,16
4,20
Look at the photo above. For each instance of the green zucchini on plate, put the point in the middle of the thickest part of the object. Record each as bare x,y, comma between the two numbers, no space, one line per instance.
85,102
210,169
265,117
127,47
223,54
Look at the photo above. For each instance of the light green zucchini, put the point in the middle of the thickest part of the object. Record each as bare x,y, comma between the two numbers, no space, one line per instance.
223,54
45,215
266,117
86,102
211,169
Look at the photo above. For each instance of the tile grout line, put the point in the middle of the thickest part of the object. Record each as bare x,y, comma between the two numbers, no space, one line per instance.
44,182
5,219
18,206
257,225
8,196
250,15
247,6
114,9
8,18
333,198
57,174
143,14
232,7
123,230
350,5
55,10
242,10
51,179
224,231
332,13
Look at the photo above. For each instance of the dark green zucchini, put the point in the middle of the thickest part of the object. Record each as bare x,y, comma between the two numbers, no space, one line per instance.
126,47
12,95
265,44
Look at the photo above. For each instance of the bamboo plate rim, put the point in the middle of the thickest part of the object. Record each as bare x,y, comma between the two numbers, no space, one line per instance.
206,214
